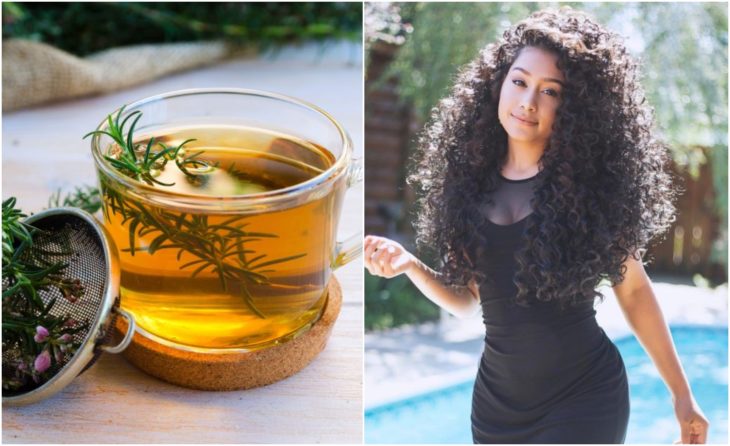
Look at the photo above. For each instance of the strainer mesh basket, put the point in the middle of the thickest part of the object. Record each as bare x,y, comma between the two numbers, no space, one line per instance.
71,240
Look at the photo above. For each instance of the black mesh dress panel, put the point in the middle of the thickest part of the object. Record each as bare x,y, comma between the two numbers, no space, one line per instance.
547,375
510,201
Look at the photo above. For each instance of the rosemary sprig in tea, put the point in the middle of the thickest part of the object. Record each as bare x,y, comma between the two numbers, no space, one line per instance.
140,161
221,248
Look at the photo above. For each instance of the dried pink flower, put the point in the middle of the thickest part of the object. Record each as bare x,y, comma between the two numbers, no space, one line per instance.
65,338
41,334
72,289
58,354
42,361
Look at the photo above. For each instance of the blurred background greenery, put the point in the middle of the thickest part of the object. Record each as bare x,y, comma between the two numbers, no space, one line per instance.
413,51
85,28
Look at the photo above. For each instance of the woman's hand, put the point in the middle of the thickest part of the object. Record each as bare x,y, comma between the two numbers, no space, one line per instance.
386,258
692,421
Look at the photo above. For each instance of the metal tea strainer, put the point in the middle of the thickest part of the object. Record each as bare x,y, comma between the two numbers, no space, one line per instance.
93,260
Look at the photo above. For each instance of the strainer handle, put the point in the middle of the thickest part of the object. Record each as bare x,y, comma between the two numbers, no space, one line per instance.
131,326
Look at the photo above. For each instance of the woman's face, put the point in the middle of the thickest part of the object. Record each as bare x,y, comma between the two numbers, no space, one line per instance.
530,96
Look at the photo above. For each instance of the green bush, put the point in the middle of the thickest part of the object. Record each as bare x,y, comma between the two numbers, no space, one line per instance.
84,28
393,302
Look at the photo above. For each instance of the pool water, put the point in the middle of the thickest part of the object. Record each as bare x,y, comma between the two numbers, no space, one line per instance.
443,416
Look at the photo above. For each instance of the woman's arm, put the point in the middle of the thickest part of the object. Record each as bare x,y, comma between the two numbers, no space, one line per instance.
640,307
387,258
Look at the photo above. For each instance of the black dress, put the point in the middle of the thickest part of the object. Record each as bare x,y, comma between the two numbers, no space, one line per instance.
546,375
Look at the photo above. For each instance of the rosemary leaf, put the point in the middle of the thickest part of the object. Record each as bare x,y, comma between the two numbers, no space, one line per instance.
274,262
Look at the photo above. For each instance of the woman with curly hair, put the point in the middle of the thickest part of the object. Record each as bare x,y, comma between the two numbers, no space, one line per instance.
540,175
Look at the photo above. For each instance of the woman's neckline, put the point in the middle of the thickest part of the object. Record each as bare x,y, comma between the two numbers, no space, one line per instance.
513,224
524,180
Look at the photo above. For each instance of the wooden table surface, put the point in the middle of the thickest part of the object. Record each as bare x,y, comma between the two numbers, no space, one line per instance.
114,402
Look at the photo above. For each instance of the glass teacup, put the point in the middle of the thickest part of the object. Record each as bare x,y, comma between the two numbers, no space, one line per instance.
229,239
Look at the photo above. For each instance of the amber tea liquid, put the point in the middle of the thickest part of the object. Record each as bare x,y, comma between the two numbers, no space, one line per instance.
223,280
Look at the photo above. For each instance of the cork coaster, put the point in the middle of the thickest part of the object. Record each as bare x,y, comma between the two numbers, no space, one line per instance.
234,371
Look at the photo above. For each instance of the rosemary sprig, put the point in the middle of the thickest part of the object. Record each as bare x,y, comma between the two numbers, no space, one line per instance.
33,338
218,248
85,197
138,160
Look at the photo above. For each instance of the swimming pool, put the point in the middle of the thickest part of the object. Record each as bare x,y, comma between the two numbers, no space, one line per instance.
442,416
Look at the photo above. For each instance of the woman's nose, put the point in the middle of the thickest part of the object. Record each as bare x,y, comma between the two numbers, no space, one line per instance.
527,102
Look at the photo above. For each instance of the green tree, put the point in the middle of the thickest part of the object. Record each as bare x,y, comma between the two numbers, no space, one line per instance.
682,48
445,36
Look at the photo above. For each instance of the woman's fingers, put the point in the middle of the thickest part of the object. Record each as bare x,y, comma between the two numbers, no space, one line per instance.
698,432
367,250
381,258
684,434
386,260
698,428
375,260
380,254
371,246
372,254
694,432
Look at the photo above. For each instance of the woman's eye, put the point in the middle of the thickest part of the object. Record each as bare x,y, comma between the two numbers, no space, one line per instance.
518,82
551,92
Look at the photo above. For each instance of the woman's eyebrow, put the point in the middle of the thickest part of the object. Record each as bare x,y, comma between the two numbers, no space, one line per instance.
549,79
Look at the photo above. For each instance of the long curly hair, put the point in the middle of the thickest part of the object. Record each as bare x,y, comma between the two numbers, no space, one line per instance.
603,192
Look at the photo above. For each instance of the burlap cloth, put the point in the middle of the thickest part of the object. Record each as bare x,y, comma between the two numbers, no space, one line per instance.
35,73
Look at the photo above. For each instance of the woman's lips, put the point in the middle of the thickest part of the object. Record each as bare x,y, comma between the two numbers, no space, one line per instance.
522,121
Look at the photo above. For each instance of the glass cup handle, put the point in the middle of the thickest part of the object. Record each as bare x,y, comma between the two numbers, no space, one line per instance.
350,248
